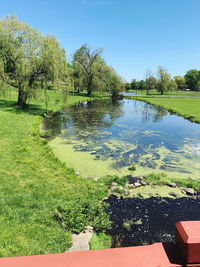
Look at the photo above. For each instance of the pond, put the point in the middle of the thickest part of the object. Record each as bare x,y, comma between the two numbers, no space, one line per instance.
103,137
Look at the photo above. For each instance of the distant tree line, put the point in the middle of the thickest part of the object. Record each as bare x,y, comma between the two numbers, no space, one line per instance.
164,82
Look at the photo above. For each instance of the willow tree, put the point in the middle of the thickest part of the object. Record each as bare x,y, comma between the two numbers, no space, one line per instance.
27,57
91,64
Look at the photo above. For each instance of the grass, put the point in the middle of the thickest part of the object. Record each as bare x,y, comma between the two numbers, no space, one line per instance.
189,108
100,241
168,93
33,181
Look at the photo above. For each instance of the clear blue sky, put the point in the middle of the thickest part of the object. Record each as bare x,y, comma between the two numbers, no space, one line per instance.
136,34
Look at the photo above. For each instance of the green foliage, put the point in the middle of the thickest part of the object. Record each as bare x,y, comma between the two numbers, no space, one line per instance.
132,168
164,79
100,241
180,81
192,77
119,180
28,58
82,211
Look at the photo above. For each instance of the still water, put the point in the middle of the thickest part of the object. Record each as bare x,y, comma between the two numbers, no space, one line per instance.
104,137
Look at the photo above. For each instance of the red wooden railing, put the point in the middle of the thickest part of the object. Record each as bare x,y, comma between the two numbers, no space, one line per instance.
185,252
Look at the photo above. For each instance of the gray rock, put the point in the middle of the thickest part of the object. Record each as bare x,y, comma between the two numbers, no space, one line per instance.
189,191
137,184
90,177
121,187
143,183
131,186
113,187
108,175
77,173
173,185
114,184
96,178
173,194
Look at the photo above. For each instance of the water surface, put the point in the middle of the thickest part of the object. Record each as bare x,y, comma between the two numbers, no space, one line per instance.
104,137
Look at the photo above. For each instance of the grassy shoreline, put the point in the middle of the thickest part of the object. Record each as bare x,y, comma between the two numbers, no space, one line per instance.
188,108
34,182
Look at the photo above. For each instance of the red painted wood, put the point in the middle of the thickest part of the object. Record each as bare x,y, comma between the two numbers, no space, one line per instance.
187,236
158,254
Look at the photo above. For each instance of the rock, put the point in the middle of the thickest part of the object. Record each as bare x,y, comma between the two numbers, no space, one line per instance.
143,183
131,186
183,191
89,228
114,184
189,191
137,184
108,175
96,178
90,177
77,173
121,187
109,192
113,187
173,194
173,185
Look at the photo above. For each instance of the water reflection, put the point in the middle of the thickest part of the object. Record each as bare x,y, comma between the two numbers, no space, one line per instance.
128,132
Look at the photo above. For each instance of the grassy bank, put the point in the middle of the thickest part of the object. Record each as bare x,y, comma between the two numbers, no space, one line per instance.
188,108
168,93
34,182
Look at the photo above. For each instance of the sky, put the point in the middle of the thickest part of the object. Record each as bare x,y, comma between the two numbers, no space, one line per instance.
137,35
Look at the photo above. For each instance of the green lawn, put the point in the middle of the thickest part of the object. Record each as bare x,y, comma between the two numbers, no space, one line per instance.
188,108
33,182
169,93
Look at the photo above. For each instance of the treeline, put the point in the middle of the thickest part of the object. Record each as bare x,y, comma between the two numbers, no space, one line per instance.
164,82
30,60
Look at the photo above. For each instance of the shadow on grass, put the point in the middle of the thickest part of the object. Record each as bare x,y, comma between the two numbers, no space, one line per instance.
9,105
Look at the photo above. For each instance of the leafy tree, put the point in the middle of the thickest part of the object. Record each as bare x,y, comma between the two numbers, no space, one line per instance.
134,84
91,64
192,77
180,81
173,85
27,57
150,81
141,85
198,86
128,86
164,79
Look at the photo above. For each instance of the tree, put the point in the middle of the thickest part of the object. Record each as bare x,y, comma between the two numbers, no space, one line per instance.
27,57
198,86
164,79
173,85
134,84
180,81
91,64
128,86
192,77
150,81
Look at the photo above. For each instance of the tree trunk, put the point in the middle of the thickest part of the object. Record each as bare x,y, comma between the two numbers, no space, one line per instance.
22,97
89,90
